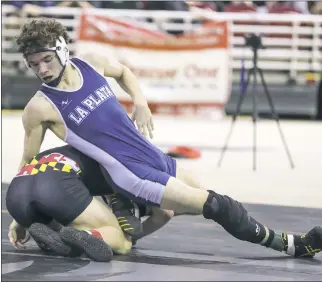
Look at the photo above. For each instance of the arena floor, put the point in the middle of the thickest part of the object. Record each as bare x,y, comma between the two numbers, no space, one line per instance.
191,248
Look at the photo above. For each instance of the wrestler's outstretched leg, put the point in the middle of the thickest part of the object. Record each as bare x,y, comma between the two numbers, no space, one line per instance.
164,190
234,218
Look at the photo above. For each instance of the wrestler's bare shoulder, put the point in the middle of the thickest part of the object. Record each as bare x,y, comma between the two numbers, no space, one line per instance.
39,108
103,65
96,61
40,111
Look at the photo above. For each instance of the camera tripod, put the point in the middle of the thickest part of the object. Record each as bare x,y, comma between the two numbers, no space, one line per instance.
252,72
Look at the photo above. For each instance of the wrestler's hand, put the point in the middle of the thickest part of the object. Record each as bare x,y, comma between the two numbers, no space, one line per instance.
18,235
143,117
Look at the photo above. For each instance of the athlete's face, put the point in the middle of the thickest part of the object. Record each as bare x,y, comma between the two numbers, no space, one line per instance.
46,65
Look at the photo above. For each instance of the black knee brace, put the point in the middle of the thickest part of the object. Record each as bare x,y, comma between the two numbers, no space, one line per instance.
234,218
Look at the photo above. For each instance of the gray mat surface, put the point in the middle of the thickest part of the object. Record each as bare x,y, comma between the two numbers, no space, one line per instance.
188,248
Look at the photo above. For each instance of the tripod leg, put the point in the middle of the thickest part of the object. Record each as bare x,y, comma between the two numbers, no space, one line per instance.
243,95
275,115
234,117
254,118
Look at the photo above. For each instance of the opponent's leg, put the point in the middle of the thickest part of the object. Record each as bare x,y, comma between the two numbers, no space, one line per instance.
48,240
234,218
66,199
157,218
123,209
94,226
99,220
22,205
54,225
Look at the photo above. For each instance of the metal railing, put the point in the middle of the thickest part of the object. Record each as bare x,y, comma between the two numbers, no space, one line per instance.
293,41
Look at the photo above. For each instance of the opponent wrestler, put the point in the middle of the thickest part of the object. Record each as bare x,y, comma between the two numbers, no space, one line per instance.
77,103
59,184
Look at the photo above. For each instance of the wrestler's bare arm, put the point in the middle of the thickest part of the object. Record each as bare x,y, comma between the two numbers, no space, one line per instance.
127,80
39,115
122,74
35,128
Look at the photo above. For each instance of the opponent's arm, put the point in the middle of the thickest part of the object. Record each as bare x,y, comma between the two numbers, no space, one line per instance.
35,129
128,81
157,220
18,235
34,135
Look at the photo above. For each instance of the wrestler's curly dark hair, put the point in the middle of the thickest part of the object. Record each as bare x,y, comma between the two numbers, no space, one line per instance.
39,34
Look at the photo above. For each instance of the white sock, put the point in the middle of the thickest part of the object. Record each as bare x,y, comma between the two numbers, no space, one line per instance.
291,247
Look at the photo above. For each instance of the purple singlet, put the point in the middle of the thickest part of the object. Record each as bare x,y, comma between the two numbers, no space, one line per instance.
97,125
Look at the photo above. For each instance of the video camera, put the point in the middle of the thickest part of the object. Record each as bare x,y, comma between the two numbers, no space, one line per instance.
254,41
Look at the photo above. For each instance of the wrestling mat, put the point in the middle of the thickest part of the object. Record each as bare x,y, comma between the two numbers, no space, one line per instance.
187,249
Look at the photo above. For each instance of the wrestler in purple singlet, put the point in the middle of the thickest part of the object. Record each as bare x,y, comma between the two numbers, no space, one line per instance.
97,125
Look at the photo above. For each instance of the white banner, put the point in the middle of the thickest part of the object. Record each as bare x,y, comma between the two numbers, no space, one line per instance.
178,74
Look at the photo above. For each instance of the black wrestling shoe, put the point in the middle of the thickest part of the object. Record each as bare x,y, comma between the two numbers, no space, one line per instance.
134,241
49,240
307,245
125,212
94,247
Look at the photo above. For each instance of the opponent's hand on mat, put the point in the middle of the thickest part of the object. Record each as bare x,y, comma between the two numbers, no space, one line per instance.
143,117
18,235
